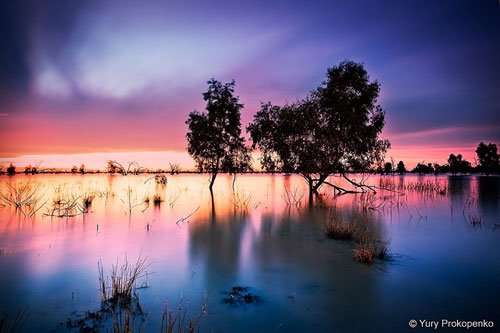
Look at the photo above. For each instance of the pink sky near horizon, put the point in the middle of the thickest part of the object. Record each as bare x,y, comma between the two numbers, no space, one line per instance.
155,139
161,159
92,136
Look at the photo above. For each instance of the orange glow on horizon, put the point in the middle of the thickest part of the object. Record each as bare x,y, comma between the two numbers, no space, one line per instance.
410,155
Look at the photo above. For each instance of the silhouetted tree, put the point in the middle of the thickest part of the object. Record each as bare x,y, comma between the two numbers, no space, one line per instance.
114,167
401,168
458,165
11,170
335,130
441,168
74,169
214,137
488,159
423,168
387,168
174,168
82,169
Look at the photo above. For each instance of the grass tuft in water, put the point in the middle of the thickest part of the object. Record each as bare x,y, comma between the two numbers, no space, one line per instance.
179,321
157,199
336,228
25,197
123,279
367,251
363,253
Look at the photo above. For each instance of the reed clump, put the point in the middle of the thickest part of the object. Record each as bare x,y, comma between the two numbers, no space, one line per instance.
161,179
157,199
24,197
428,186
120,305
363,253
179,320
67,206
367,251
124,277
87,200
336,228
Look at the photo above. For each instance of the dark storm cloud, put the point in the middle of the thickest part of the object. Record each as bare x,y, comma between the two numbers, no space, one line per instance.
27,26
14,67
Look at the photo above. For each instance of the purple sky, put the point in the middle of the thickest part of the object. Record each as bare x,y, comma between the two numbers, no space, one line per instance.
114,76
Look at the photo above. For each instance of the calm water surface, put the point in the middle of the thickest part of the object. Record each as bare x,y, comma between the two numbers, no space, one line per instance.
265,235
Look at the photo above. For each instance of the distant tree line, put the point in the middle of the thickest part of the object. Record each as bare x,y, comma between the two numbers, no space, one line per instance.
487,162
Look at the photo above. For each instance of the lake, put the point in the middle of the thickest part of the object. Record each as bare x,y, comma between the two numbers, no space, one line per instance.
260,233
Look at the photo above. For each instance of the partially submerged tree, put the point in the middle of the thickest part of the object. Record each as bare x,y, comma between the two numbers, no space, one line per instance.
458,165
401,168
175,168
335,130
214,137
132,167
488,159
423,168
388,168
82,169
113,167
11,170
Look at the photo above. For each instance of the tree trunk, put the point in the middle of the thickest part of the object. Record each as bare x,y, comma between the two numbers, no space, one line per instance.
320,182
212,181
212,216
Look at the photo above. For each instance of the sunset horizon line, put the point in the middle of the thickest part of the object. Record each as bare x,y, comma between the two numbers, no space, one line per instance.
161,159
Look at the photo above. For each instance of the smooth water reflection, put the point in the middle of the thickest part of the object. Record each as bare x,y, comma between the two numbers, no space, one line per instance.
261,233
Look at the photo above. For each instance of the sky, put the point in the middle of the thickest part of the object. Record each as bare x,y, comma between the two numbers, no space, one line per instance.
84,81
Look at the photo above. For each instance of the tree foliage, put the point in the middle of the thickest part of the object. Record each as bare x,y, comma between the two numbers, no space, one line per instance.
488,159
423,168
214,137
458,165
401,168
387,168
11,170
334,130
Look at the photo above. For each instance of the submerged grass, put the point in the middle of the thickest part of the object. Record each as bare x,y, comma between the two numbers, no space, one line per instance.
429,186
336,228
67,206
25,197
293,197
179,320
120,310
475,219
124,276
14,324
367,251
87,200
158,199
363,253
